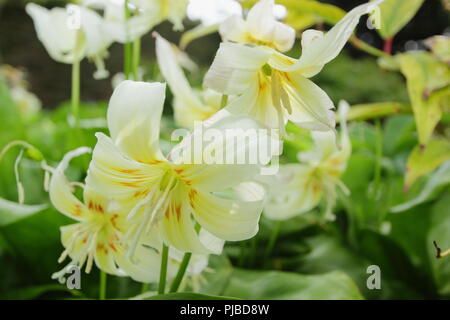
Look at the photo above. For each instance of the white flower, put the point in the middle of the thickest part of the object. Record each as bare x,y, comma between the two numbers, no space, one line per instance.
260,27
167,194
274,88
71,34
299,187
143,16
189,105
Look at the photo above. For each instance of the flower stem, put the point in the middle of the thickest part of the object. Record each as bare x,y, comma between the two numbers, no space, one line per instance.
181,271
76,92
387,48
128,46
136,57
378,155
163,271
439,253
102,285
144,287
272,240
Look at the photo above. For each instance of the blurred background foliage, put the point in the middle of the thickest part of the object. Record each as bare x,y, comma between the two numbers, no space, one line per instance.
311,260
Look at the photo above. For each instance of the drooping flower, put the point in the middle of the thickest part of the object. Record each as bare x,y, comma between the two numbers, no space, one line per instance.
174,195
140,17
189,105
99,236
299,187
70,34
260,27
275,88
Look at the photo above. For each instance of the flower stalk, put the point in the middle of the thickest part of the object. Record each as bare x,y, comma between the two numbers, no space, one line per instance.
163,271
181,271
103,278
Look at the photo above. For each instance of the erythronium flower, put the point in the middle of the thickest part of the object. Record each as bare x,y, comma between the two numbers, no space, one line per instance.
260,27
298,188
71,34
275,88
99,235
166,194
143,16
189,105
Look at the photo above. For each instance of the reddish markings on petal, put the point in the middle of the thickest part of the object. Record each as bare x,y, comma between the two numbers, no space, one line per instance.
112,246
192,194
101,247
131,171
129,184
78,210
141,193
178,211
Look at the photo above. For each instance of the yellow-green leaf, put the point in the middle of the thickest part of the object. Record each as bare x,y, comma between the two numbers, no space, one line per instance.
395,14
425,159
428,82
440,46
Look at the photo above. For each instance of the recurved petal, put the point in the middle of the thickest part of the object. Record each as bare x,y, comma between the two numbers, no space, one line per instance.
174,75
321,51
235,67
233,29
60,190
134,116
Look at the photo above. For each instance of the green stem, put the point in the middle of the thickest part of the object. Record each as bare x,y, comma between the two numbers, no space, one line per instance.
144,287
136,57
76,92
272,240
361,45
163,271
181,271
242,254
128,46
102,285
378,155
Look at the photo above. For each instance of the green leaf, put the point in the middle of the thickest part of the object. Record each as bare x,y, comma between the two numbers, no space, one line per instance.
440,46
440,232
320,12
439,180
395,14
428,82
276,285
188,296
35,292
11,212
425,159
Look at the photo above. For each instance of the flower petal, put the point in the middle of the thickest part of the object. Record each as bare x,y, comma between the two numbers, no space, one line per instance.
294,191
235,67
188,104
119,177
177,227
321,51
224,151
62,43
263,26
232,220
311,106
233,29
60,190
134,116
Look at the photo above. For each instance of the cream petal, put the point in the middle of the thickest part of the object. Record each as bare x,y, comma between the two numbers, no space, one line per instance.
134,116
232,220
60,190
177,227
238,148
235,67
187,99
294,191
233,29
311,106
62,43
321,51
119,177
